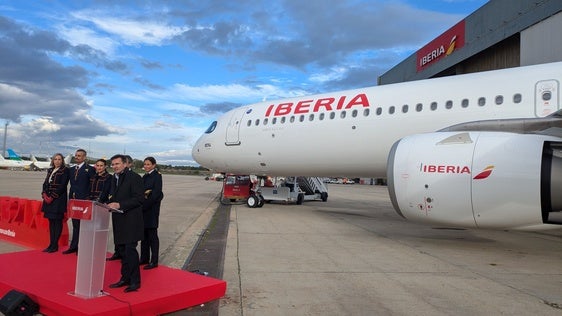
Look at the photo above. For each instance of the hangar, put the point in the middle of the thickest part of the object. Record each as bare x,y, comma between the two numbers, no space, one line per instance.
501,34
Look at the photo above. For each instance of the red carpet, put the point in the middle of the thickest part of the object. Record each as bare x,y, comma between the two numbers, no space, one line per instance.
47,278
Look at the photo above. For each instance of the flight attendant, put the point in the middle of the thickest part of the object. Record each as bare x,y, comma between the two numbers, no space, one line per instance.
54,200
153,196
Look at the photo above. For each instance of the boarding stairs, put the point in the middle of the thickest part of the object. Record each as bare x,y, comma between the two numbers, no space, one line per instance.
313,188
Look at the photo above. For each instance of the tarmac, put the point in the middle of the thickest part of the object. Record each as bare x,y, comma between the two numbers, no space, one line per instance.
351,255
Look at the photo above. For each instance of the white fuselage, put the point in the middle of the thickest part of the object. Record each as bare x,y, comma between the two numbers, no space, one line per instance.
9,163
350,133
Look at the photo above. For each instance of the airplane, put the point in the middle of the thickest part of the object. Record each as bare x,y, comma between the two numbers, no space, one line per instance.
40,165
10,163
479,150
34,163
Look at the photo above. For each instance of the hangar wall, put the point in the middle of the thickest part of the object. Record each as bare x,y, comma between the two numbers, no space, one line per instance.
542,42
501,34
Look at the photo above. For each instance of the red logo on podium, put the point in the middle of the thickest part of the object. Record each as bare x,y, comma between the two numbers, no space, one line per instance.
80,209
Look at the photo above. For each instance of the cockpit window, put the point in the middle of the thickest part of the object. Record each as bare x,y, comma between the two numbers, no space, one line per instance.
211,128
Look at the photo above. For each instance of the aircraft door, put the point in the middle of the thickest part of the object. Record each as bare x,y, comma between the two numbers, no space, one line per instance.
233,129
547,97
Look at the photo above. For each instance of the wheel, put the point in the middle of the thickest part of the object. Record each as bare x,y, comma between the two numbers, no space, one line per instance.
261,200
252,201
300,198
324,196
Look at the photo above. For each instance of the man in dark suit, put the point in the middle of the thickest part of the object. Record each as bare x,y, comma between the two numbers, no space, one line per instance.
127,195
80,176
129,165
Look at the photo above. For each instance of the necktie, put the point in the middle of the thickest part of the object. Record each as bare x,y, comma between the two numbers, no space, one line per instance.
76,173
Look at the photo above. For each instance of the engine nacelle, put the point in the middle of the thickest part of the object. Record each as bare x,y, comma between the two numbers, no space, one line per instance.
477,179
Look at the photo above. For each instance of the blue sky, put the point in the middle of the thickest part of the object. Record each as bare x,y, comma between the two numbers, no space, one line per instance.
146,78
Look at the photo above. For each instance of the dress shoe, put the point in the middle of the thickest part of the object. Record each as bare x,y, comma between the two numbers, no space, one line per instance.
121,283
48,249
70,250
114,257
150,266
132,287
53,250
143,262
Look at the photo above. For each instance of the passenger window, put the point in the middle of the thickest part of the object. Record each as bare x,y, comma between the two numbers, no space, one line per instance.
342,114
419,107
265,121
274,120
283,119
292,119
405,108
499,99
481,101
257,122
448,104
354,113
391,110
517,98
379,111
301,118
311,117
464,103
321,116
366,112
332,115
249,122
433,106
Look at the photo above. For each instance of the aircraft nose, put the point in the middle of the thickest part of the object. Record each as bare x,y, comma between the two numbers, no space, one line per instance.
196,151
200,150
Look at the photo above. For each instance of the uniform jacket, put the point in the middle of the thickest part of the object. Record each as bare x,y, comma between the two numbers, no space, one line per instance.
128,226
99,187
56,188
80,181
152,197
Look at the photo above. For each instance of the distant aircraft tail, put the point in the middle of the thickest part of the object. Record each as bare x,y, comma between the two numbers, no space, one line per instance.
12,155
68,159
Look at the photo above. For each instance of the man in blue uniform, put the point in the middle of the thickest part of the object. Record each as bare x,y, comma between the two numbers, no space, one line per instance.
80,176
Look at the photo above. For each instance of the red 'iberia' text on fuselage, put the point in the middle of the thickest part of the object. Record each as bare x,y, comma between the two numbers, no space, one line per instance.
313,106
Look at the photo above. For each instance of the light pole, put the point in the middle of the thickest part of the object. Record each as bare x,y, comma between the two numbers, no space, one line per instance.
5,136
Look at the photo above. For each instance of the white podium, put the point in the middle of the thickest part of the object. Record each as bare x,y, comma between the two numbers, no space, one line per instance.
92,246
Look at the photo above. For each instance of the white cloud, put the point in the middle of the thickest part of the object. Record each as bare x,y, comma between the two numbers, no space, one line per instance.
232,92
80,35
132,32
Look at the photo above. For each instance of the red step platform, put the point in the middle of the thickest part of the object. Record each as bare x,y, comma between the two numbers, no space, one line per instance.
49,278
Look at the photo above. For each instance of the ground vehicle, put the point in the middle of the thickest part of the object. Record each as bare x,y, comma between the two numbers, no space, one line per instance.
236,187
289,189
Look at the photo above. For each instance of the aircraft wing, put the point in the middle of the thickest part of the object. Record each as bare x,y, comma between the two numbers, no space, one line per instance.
550,125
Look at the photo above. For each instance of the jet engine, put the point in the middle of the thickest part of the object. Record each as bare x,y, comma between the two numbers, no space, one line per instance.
477,179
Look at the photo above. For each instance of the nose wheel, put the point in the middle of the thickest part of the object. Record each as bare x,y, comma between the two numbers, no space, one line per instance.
255,200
